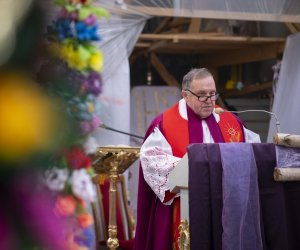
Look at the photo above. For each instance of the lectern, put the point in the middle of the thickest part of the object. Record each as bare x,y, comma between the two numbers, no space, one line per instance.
271,197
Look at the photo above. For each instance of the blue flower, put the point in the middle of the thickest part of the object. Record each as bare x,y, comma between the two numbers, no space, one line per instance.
63,29
87,238
85,32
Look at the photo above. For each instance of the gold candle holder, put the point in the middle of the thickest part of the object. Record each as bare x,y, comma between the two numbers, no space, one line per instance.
113,161
184,235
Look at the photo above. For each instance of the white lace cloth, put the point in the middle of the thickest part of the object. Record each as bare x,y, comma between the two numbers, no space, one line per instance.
157,162
157,159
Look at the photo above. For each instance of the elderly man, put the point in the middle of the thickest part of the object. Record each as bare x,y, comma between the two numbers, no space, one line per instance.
192,120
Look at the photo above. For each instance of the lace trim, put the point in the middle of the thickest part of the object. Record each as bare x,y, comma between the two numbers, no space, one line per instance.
157,165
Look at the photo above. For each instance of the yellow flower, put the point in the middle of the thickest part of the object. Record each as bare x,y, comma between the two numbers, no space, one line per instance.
67,52
96,61
28,120
76,61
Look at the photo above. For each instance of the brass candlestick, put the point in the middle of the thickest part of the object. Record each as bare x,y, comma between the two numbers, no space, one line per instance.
113,161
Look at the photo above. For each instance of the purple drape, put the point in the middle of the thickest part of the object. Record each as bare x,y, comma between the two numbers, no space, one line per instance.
240,215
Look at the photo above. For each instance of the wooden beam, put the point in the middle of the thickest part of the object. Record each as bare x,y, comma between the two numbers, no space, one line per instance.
292,28
179,22
238,93
245,55
162,24
210,37
195,25
164,73
157,45
200,13
146,48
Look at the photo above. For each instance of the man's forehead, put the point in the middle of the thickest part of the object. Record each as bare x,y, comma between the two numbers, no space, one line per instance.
204,83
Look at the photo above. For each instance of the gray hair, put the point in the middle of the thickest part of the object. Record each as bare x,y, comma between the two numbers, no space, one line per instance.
198,73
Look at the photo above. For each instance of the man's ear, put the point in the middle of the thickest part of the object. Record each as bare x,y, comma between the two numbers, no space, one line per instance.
184,94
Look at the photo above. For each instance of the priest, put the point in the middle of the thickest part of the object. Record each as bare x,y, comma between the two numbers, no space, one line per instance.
192,120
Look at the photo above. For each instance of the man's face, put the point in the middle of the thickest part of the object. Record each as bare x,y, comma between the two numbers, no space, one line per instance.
201,87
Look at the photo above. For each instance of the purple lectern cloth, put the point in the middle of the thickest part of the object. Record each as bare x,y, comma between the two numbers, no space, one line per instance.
280,202
205,196
241,209
153,230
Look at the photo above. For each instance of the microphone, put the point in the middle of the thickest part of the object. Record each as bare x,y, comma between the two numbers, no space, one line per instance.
220,111
119,131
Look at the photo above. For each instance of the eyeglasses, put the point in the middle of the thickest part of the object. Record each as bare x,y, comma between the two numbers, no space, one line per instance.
204,98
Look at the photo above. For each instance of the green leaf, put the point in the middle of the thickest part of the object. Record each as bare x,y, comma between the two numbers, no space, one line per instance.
60,2
100,12
92,48
70,8
84,12
84,53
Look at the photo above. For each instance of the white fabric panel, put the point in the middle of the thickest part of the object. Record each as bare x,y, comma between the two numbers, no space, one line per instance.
263,10
146,103
287,102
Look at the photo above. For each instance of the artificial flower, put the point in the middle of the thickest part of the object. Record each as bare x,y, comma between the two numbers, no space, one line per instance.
90,145
55,178
86,32
85,220
76,158
65,205
90,20
89,126
76,61
82,185
96,61
84,110
29,119
86,238
63,29
93,83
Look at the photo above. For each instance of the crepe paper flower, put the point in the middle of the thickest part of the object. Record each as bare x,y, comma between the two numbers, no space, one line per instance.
76,61
86,238
85,32
29,119
77,159
55,178
63,29
93,83
96,61
90,20
82,185
79,1
89,126
90,145
65,205
87,10
83,109
85,220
